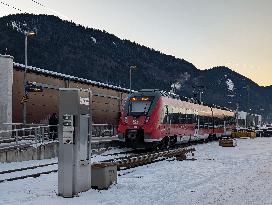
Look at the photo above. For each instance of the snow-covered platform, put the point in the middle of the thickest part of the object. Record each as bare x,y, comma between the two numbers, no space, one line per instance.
220,175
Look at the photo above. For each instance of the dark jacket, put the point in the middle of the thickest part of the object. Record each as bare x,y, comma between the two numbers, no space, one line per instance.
53,120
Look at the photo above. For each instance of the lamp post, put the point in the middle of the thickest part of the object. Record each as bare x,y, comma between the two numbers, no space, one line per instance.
199,90
247,90
130,68
200,96
27,33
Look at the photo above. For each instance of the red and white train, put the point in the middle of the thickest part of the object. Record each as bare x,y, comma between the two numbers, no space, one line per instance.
150,118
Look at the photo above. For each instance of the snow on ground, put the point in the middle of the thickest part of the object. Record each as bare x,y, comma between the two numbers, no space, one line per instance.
239,175
107,154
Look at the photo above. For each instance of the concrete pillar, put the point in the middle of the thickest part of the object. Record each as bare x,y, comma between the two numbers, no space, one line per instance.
6,81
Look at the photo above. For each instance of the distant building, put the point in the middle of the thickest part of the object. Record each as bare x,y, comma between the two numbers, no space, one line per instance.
245,120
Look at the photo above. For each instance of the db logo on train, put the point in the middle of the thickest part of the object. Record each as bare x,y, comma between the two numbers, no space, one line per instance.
135,122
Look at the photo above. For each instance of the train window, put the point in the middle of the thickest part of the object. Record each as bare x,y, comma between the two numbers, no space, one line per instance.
201,121
182,118
139,106
230,120
205,121
210,121
226,119
190,118
165,114
170,119
165,119
166,110
219,122
215,121
195,118
175,118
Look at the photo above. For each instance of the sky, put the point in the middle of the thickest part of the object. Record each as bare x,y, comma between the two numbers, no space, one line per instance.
207,33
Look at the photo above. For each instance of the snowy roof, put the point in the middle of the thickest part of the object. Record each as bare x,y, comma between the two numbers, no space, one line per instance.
70,77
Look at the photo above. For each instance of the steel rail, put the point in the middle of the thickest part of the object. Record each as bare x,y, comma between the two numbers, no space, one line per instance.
26,168
123,162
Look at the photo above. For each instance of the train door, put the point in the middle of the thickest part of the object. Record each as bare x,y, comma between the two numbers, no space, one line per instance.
168,121
213,131
202,126
225,130
165,121
197,124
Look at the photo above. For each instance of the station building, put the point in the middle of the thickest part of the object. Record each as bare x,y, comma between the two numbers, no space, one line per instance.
106,101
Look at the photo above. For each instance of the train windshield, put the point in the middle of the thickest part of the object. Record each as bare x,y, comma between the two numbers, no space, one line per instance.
139,105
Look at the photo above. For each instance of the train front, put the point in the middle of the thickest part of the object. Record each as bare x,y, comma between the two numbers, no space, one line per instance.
137,127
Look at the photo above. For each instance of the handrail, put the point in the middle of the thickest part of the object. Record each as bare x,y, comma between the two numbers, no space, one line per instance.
12,123
26,128
35,135
101,124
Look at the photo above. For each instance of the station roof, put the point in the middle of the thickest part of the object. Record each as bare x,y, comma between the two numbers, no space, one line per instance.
70,77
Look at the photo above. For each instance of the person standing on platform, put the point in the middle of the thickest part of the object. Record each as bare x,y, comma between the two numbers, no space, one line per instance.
53,122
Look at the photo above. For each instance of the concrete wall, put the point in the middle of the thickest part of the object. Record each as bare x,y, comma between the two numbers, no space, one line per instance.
46,151
6,82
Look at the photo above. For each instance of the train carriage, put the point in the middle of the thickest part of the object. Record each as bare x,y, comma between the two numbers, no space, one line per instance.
150,118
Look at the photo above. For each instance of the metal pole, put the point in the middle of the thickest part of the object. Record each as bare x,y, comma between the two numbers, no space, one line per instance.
130,79
248,109
24,109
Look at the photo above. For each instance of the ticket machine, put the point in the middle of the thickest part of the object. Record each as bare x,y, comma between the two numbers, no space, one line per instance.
74,165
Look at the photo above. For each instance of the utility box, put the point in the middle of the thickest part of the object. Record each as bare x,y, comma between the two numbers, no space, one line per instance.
103,175
74,164
228,142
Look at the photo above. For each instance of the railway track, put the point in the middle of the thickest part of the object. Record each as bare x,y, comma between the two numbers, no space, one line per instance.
26,168
122,163
37,174
143,159
27,176
135,159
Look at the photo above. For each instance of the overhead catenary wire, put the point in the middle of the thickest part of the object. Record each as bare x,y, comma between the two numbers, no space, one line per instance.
11,6
36,2
40,4
49,9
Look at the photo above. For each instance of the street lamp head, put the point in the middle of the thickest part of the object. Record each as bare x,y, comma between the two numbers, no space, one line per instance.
29,33
133,67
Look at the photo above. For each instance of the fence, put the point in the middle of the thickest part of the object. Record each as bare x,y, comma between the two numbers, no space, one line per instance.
27,136
34,134
104,130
